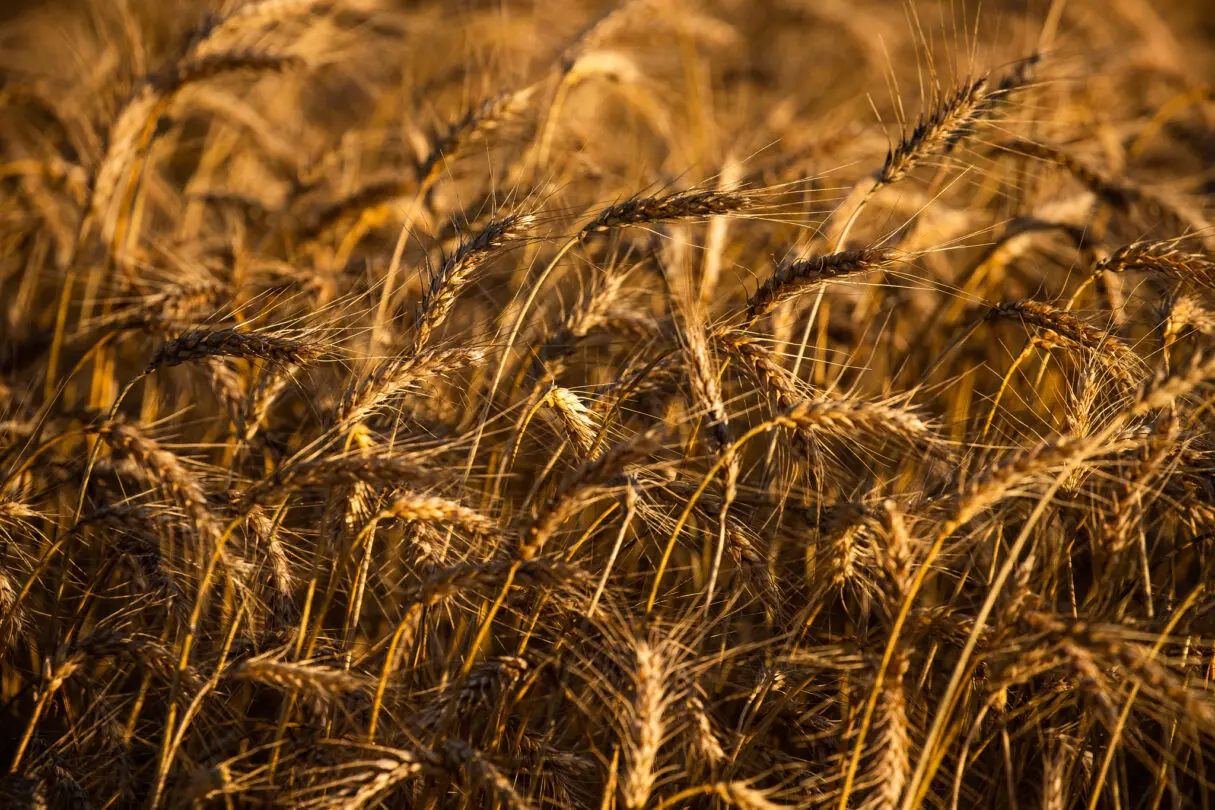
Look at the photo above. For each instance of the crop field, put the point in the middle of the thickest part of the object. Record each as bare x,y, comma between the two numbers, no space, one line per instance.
586,405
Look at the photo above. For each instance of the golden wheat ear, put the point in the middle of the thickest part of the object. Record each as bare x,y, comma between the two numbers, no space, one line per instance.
1164,257
393,377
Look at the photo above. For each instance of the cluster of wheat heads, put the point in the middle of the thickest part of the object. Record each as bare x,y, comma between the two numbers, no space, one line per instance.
575,405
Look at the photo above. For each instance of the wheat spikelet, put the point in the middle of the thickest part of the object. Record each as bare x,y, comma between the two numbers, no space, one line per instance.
1127,507
1095,654
563,774
1160,257
151,571
677,206
597,310
1016,79
840,417
592,475
573,419
892,766
774,378
264,533
173,305
485,773
164,467
706,386
1115,194
844,558
794,278
211,65
1093,682
127,138
441,511
14,615
1157,680
953,120
271,382
1054,779
70,659
136,125
250,206
646,724
362,781
203,344
1167,389
391,377
311,679
220,33
60,785
754,567
487,682
705,743
1059,324
227,387
12,511
1185,312
897,550
460,268
603,29
1122,196
1000,477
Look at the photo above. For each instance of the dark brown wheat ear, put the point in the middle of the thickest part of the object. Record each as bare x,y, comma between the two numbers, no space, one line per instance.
954,119
203,344
1057,324
792,279
1164,257
679,205
951,121
201,68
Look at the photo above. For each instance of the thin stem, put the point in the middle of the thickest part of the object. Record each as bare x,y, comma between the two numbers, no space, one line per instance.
722,459
510,342
389,658
1112,745
995,403
630,510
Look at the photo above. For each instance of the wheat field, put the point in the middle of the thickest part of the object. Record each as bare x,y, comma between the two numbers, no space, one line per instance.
765,404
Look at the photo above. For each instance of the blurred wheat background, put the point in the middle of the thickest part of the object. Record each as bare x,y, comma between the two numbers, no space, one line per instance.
562,404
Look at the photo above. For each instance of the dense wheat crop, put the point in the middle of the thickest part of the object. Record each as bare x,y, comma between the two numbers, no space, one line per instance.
559,404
